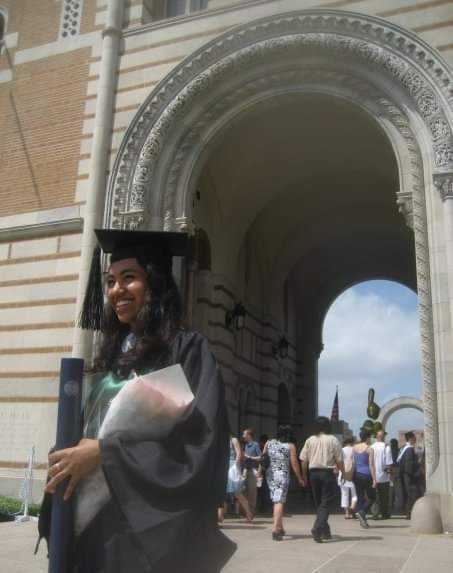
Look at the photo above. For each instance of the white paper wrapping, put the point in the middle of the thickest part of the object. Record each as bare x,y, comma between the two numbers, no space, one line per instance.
149,406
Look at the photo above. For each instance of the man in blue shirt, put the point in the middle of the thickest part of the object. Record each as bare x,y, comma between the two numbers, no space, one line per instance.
252,459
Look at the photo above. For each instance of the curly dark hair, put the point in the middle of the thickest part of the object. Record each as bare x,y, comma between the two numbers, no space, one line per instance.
157,323
285,434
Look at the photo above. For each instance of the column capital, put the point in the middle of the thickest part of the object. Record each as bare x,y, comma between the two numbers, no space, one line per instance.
405,207
444,184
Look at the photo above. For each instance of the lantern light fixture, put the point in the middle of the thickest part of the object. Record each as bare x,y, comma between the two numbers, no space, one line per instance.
235,318
280,350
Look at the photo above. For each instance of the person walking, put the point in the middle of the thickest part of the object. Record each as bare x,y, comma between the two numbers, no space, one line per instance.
264,504
364,478
396,501
348,490
382,463
252,459
281,454
410,473
235,484
320,455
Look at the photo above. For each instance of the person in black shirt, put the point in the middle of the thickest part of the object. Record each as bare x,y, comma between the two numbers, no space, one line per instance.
410,473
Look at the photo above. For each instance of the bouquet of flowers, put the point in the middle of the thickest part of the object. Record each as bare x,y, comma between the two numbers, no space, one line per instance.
147,407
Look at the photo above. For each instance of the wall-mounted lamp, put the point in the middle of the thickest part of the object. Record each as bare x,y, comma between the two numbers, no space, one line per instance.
235,318
280,350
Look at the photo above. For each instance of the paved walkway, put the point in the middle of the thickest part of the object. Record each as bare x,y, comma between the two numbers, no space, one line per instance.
387,547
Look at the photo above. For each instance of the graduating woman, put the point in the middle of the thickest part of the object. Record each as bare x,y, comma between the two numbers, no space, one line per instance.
160,515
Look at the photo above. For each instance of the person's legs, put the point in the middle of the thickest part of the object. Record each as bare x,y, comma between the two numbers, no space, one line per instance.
360,482
370,494
328,498
345,503
242,500
316,490
353,496
383,495
251,490
325,493
221,513
391,498
316,487
278,517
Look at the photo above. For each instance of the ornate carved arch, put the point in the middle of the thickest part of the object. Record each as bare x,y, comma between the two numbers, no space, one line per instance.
398,57
400,80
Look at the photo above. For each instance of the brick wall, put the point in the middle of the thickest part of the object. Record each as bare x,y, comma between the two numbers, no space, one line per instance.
42,109
37,20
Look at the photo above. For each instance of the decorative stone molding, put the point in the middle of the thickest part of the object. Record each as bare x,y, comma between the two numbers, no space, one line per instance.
405,207
71,16
325,51
41,230
420,228
386,49
444,184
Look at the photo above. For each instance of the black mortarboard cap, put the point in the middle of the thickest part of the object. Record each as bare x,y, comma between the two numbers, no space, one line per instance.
147,246
152,245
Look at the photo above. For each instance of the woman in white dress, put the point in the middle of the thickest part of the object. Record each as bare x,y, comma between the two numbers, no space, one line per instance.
348,490
235,485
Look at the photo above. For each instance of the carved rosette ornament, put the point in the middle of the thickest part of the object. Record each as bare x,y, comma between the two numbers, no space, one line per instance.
368,60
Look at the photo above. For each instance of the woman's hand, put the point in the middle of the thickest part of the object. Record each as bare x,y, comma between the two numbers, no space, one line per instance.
301,481
74,463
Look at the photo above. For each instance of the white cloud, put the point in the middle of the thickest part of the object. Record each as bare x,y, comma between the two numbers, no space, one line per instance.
369,341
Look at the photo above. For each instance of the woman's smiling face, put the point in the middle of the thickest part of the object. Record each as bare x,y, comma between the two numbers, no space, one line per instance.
126,288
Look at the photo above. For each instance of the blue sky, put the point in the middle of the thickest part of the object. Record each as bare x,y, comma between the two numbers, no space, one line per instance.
371,339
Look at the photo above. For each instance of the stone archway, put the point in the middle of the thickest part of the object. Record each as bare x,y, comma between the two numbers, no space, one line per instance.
369,52
396,404
382,69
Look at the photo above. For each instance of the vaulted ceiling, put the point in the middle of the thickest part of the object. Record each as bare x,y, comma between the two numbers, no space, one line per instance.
312,180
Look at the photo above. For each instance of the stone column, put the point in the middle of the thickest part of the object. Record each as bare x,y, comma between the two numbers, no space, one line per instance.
434,512
444,485
94,208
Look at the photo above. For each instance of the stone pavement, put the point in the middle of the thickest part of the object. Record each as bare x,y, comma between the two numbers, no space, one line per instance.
387,547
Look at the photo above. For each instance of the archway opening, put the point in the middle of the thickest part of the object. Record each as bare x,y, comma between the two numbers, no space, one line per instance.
281,195
405,420
371,340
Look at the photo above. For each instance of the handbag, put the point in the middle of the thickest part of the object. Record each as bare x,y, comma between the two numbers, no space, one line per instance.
235,475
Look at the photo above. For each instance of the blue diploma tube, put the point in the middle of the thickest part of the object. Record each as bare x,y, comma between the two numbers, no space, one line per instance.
69,433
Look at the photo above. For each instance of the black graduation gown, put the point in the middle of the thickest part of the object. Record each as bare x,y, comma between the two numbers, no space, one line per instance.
162,514
410,476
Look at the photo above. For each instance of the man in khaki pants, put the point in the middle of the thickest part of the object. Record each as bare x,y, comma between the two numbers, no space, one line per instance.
320,456
252,458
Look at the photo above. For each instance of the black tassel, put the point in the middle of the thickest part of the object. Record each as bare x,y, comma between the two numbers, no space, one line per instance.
93,304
